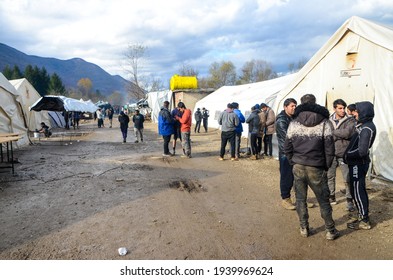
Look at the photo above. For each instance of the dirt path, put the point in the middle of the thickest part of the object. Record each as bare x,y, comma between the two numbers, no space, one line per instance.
86,199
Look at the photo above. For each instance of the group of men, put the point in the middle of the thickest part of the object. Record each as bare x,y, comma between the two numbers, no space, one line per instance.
312,144
261,127
176,123
138,119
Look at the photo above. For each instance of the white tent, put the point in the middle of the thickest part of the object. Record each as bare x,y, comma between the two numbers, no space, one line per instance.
355,64
27,96
246,95
62,103
11,116
155,100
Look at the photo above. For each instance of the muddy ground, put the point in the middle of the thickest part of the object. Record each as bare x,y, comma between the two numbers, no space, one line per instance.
84,197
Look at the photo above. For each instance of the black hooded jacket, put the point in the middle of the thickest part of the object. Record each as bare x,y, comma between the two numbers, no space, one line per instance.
357,151
309,138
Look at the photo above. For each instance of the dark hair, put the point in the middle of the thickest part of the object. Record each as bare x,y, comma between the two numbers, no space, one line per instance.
339,102
308,98
235,105
289,101
230,106
136,110
351,107
263,105
181,105
166,103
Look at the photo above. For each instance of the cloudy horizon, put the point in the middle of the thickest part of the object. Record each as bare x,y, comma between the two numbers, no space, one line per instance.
192,32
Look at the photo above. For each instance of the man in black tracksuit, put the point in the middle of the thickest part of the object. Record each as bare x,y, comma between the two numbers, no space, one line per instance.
358,160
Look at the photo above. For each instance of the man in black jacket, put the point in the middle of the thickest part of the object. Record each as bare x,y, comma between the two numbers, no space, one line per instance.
286,176
358,160
309,146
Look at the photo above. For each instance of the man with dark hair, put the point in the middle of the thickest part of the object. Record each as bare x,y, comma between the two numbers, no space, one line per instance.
309,147
228,121
205,117
239,128
253,131
286,176
176,128
165,127
138,120
350,109
358,159
269,130
185,128
124,120
198,120
344,127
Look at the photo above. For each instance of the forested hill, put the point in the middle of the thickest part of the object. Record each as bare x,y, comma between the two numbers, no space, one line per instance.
70,71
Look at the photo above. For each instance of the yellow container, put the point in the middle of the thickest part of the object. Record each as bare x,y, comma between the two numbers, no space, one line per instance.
183,82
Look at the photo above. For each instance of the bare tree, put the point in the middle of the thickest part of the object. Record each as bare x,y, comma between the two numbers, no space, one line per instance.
135,56
222,74
294,67
187,70
256,71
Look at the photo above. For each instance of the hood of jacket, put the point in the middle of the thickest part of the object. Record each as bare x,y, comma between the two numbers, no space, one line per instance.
310,114
365,110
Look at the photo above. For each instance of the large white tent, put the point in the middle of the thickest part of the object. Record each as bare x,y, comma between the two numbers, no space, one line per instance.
27,96
11,115
155,100
246,95
355,64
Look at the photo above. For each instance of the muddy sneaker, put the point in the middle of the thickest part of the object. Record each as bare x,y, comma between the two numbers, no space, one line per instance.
353,223
332,200
220,158
304,232
287,204
234,159
364,225
332,234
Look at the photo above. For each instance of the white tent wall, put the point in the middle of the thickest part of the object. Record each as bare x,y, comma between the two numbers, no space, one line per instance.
246,95
356,64
28,95
56,119
156,99
11,116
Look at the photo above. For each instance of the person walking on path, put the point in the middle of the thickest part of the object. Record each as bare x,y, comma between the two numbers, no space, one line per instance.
357,157
124,120
269,130
185,121
239,128
110,116
286,176
198,120
344,128
138,120
165,126
253,130
176,128
205,117
309,147
228,121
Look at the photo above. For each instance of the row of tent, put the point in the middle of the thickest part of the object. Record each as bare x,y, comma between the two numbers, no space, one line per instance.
355,64
22,108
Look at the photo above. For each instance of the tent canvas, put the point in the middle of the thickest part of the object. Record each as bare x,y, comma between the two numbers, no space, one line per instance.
61,103
27,96
246,95
155,100
11,116
355,64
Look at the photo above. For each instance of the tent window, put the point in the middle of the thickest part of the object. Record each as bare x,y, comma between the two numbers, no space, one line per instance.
353,41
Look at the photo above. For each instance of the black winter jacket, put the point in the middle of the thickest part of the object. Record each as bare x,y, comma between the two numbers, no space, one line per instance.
364,136
282,123
309,138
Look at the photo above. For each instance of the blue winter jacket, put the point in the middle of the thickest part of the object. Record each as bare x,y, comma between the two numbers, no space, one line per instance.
242,119
165,122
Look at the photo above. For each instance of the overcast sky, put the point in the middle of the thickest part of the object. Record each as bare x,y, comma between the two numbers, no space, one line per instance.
191,32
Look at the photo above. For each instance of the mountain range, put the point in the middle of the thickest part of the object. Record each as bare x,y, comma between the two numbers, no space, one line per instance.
70,71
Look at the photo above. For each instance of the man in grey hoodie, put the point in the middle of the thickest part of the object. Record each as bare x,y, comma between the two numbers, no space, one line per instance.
228,121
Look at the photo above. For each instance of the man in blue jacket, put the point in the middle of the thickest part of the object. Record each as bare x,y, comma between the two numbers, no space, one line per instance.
358,159
165,127
239,128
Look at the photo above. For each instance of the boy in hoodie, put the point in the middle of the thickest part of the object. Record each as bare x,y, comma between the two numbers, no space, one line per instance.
357,157
309,147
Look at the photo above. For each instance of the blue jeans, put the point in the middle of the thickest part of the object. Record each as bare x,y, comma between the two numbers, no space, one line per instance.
286,177
316,178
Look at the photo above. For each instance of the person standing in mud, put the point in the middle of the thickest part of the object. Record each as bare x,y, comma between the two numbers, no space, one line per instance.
205,117
176,128
357,156
165,127
138,120
185,128
124,120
